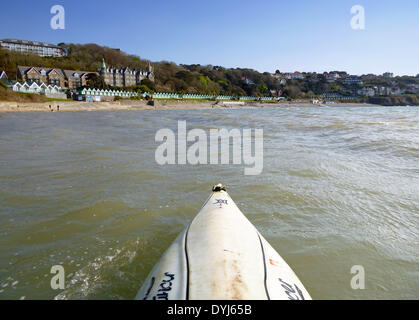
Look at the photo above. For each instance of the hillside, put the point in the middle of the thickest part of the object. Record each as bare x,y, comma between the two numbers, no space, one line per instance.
169,76
199,79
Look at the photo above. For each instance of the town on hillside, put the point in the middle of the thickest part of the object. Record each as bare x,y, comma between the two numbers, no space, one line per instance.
94,73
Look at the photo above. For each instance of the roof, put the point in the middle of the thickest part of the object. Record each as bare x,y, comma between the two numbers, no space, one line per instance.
70,73
32,43
25,69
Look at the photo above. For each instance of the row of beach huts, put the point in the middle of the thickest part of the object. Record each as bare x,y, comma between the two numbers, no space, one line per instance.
88,94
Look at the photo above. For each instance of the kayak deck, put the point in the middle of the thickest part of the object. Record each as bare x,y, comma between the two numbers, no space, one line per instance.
221,256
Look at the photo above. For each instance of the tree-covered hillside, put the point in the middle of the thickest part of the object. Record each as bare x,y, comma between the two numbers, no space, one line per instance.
200,79
86,57
169,76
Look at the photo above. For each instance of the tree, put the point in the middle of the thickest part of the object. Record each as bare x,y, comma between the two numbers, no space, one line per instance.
95,81
148,83
143,88
263,88
292,91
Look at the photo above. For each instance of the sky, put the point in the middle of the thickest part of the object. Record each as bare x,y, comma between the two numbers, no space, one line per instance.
265,35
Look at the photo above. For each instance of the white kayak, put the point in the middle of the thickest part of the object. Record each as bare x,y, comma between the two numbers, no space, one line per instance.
221,256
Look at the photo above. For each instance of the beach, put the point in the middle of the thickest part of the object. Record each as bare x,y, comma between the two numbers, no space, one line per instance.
8,106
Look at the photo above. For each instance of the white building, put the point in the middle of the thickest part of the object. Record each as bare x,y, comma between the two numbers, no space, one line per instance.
366,91
297,75
286,76
332,77
36,88
353,80
382,91
42,49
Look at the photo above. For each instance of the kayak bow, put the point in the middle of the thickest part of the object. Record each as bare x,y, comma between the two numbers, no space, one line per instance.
221,256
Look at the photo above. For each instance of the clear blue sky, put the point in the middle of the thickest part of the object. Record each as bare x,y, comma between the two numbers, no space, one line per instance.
265,35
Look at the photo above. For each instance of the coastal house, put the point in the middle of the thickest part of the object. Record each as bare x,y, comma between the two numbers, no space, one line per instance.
147,74
48,76
388,75
287,76
3,77
294,75
76,79
331,77
382,91
125,77
366,91
120,77
297,75
353,80
70,79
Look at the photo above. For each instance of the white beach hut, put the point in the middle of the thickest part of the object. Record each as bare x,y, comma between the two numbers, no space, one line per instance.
24,88
34,88
42,88
17,86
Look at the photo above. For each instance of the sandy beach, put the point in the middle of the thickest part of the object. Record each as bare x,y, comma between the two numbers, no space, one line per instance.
10,106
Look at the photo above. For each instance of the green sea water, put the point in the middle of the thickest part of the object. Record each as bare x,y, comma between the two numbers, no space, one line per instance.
340,187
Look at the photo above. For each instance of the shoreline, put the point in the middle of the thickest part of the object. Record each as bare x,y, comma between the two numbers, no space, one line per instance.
66,106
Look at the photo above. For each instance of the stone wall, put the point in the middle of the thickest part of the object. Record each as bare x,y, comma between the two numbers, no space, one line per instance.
56,95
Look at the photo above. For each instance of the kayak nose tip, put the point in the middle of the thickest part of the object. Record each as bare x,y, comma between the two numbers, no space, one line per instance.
219,187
